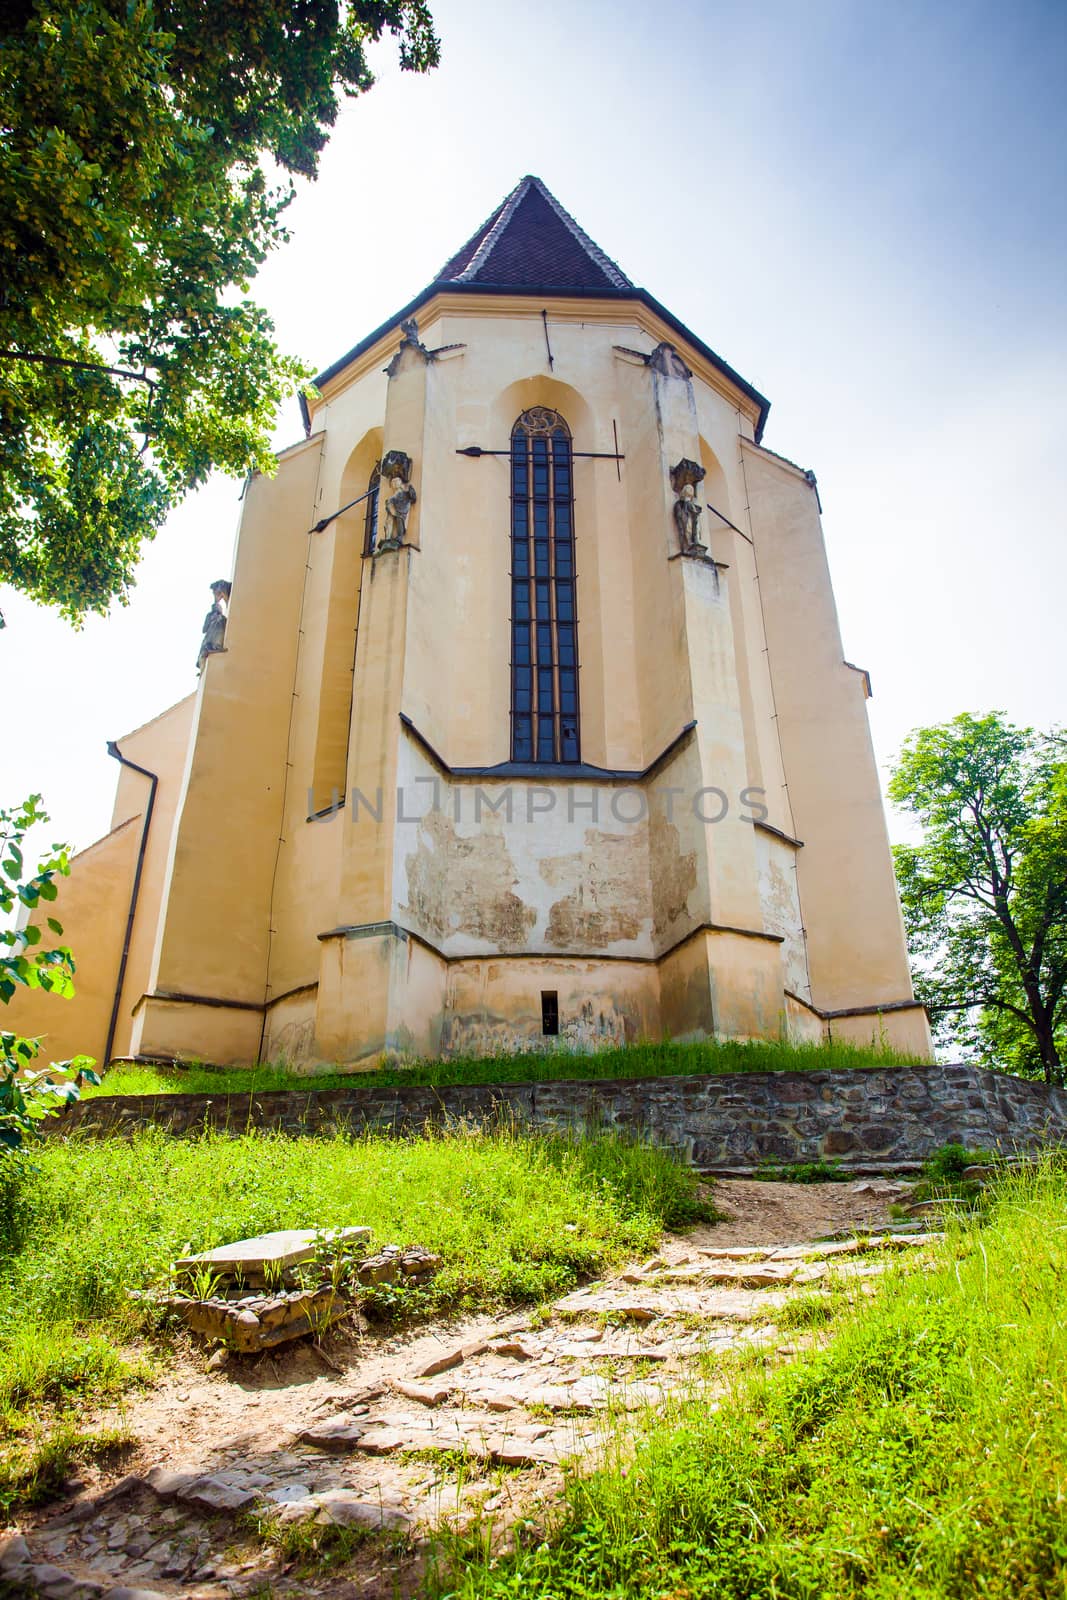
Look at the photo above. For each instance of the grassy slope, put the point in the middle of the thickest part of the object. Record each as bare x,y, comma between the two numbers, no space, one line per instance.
515,1218
630,1061
921,1454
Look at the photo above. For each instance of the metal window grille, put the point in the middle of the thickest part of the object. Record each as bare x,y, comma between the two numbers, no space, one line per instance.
544,618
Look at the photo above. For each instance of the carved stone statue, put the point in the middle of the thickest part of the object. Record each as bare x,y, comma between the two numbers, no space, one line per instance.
687,512
410,329
397,509
215,623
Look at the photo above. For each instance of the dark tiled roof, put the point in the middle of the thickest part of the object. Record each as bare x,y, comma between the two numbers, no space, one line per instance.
530,245
531,242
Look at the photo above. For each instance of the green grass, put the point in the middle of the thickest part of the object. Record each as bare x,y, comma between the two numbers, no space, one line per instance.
919,1454
628,1061
800,1171
515,1218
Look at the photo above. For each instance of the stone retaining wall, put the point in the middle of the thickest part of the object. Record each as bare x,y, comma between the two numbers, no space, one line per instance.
888,1117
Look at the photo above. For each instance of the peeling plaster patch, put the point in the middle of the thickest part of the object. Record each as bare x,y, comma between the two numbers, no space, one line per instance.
293,1042
674,877
608,894
778,899
781,909
464,885
599,1025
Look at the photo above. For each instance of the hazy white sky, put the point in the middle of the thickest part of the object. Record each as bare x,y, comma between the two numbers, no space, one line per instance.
860,206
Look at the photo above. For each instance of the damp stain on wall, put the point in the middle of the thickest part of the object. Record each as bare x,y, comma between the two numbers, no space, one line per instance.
607,900
673,873
465,885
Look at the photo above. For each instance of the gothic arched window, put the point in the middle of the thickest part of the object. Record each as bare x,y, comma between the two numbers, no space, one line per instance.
370,516
544,622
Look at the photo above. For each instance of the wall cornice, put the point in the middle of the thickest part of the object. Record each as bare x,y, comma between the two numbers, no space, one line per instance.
625,309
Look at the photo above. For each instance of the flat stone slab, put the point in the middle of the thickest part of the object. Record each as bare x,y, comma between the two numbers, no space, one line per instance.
454,1357
617,1351
758,1275
341,1508
426,1395
337,1435
276,1251
714,1304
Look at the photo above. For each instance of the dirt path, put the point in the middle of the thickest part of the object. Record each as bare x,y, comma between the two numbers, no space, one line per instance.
356,1438
788,1213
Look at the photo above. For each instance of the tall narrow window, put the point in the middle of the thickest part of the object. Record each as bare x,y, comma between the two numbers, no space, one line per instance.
370,516
544,623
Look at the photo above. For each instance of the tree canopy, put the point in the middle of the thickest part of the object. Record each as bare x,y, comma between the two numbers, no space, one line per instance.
147,155
985,894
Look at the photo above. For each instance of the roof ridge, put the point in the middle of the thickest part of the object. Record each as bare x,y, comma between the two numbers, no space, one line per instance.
618,278
478,233
494,229
503,217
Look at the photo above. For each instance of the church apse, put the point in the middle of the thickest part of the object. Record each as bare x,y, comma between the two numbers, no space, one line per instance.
530,729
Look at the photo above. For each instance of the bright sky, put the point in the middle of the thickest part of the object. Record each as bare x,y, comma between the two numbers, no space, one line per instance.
860,206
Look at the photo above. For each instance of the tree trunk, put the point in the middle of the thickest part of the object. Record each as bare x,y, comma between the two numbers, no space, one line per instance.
1046,1045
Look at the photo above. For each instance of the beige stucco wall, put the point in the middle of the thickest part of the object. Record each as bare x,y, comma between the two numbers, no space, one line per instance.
214,935
93,903
160,746
856,949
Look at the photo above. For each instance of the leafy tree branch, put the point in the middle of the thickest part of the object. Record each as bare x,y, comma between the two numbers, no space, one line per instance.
147,156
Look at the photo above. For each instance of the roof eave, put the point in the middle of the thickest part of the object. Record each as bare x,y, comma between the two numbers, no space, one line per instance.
535,292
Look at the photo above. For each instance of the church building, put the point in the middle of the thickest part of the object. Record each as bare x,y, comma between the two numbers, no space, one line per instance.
528,726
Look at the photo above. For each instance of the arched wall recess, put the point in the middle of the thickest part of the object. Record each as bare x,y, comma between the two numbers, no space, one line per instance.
340,548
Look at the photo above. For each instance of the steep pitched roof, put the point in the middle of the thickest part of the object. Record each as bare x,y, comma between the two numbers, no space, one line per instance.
531,242
530,245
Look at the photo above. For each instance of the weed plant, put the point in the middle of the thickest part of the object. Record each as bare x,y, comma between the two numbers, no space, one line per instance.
942,1176
801,1172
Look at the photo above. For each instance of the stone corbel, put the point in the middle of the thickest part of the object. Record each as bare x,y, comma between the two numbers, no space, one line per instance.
411,344
664,359
668,363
